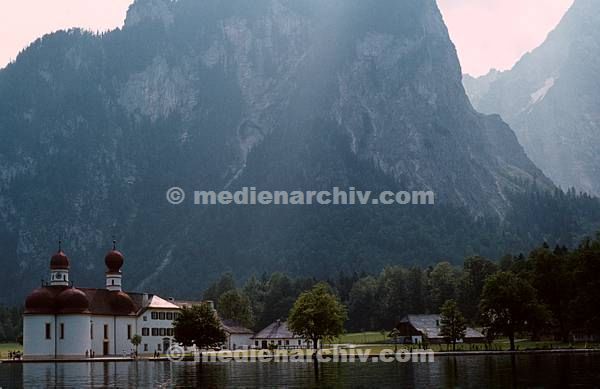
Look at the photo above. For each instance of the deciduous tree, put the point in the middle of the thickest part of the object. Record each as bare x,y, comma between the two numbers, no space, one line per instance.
198,326
452,323
508,302
136,340
317,314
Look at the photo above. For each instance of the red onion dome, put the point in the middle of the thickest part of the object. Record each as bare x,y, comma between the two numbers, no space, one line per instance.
121,303
114,260
41,300
59,261
72,300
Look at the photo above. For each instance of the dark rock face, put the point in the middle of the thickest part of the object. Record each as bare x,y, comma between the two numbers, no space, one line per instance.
550,98
214,94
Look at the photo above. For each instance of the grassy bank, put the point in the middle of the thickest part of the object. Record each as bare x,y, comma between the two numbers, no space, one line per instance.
380,340
362,338
6,347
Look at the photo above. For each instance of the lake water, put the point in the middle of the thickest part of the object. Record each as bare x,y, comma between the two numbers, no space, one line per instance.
564,370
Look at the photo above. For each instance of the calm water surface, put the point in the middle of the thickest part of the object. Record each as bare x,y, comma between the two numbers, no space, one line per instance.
532,371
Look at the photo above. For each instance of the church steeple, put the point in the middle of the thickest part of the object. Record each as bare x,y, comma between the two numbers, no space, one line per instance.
114,261
59,268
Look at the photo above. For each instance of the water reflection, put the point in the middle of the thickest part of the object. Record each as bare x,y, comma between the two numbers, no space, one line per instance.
464,372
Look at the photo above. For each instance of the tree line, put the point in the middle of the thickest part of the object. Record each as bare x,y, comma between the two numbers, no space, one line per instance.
551,292
11,324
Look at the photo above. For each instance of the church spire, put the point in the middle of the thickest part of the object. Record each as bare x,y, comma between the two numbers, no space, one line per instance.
114,261
59,268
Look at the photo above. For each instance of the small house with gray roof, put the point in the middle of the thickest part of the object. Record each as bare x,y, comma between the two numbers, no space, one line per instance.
277,335
419,328
238,336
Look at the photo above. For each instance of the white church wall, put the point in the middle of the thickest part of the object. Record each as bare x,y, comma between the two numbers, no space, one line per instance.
117,334
35,342
97,343
75,337
124,335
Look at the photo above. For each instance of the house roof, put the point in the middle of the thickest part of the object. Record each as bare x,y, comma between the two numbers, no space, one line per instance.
156,302
233,327
104,302
99,301
275,330
429,326
191,303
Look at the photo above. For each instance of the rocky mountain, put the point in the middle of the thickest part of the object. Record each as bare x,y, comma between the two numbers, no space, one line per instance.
276,94
550,98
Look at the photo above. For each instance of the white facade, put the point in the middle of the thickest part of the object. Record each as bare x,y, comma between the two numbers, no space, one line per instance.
278,335
239,341
65,336
36,341
72,335
156,328
78,335
280,343
61,321
111,335
56,336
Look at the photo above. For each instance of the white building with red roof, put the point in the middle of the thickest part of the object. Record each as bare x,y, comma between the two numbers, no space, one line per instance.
61,321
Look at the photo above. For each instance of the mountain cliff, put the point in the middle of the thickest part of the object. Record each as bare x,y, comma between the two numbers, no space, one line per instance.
550,98
276,94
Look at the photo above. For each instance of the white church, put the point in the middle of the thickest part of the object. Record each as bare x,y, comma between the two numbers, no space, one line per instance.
62,322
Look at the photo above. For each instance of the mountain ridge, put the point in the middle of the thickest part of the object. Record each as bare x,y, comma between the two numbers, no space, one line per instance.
279,94
549,98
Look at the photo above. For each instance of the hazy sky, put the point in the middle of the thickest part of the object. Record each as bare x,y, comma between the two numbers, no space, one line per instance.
23,21
487,33
496,33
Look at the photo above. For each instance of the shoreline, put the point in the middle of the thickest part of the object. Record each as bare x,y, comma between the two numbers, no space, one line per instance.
436,354
517,352
84,360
